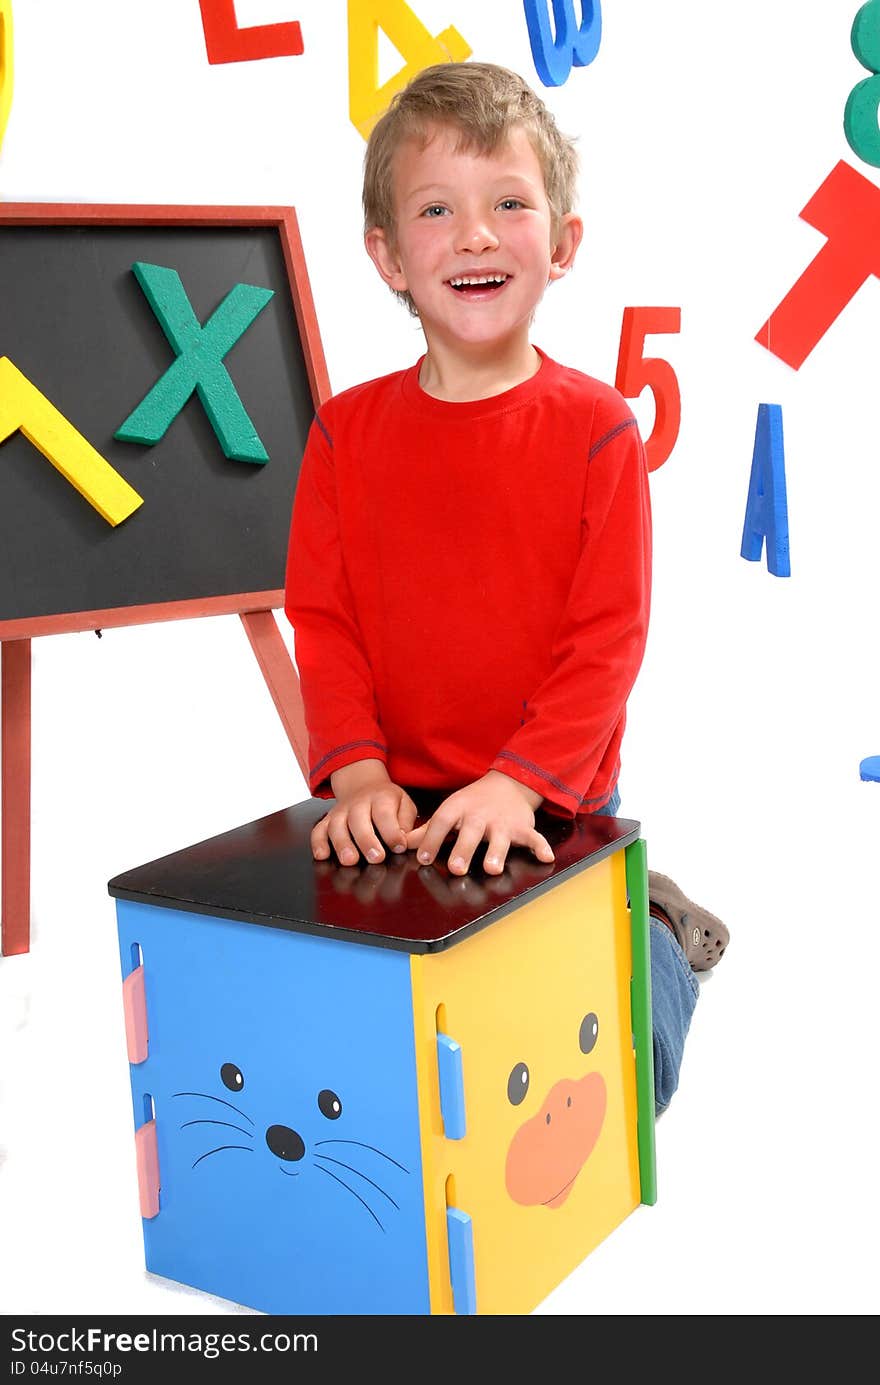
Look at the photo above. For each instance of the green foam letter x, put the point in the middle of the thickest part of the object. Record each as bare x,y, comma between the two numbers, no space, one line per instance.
199,364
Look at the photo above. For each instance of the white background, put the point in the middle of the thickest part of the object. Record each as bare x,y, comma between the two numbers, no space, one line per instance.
703,131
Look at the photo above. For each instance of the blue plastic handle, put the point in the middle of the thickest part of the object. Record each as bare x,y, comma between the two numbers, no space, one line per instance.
460,1231
451,1074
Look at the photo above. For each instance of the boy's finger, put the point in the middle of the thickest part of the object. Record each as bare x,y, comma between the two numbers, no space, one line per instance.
407,813
540,846
436,832
415,836
469,837
387,825
319,840
496,853
342,843
360,825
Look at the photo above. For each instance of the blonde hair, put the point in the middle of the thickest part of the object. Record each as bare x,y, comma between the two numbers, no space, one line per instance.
484,103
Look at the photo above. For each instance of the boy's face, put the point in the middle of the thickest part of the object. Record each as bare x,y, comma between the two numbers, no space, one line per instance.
467,217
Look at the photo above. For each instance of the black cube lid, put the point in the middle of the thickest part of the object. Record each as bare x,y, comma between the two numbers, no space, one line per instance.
264,873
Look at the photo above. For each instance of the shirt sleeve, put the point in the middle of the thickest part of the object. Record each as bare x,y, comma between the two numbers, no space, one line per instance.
335,676
567,748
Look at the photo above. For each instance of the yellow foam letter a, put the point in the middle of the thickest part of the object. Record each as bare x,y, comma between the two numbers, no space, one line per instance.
367,100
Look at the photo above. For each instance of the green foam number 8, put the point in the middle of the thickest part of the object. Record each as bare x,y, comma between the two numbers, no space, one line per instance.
860,121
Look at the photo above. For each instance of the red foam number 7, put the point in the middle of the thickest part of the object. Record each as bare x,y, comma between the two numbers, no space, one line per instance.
635,371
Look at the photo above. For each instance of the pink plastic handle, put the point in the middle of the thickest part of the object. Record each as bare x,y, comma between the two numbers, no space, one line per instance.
147,1151
134,1005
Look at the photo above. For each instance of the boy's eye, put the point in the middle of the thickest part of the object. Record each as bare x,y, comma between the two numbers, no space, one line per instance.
510,204
434,211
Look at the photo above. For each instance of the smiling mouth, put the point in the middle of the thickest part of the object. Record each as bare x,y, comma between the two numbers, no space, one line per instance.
551,1200
478,285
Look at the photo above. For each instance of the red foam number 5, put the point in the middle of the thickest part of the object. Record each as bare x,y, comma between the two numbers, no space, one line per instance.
635,371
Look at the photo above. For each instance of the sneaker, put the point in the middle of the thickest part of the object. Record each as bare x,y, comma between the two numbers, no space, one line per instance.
703,937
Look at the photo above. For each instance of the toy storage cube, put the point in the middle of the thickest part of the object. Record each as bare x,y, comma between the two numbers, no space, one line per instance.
386,1089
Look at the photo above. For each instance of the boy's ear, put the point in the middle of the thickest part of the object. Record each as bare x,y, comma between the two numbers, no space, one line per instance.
383,253
569,235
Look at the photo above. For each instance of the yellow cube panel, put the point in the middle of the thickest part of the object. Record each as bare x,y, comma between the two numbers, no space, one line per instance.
548,1166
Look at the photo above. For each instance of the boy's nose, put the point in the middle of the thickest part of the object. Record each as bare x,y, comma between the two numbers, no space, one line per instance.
476,236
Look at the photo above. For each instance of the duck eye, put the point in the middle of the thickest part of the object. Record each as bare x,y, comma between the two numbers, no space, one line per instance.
329,1104
517,1084
232,1077
589,1033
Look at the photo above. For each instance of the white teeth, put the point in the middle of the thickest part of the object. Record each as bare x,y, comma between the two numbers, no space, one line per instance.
479,279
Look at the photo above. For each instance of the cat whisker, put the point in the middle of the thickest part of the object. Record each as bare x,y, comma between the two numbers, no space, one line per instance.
352,1169
228,1124
361,1144
353,1193
219,1150
207,1097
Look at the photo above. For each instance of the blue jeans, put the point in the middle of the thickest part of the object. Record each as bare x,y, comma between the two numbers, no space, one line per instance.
674,992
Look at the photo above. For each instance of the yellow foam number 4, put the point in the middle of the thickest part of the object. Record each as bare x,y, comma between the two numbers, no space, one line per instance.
22,406
367,100
5,64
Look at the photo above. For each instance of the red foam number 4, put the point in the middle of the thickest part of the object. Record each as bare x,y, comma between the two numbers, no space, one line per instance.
226,43
635,371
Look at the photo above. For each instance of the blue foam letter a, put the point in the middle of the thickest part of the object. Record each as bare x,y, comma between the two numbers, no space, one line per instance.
767,505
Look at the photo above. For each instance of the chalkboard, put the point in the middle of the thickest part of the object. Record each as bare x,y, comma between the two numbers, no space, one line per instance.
76,322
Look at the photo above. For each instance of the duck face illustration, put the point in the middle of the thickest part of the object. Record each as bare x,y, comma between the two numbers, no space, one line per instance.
551,1147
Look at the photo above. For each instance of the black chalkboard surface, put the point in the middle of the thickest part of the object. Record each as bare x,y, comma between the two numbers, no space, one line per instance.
212,532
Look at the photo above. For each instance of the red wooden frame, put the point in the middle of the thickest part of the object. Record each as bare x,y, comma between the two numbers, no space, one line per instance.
255,608
15,678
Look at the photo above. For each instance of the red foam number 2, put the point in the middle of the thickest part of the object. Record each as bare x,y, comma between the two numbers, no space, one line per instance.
635,371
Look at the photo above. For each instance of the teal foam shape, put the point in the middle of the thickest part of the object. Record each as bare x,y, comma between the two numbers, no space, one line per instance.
199,365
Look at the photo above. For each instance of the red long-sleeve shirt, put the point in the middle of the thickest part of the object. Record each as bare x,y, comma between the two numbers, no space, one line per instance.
469,584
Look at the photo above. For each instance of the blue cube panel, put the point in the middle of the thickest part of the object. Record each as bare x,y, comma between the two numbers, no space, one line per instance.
282,1074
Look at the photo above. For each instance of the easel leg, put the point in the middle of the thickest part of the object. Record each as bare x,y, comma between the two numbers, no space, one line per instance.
15,714
281,680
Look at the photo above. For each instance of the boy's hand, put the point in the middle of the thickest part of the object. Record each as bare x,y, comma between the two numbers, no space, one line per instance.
366,802
496,809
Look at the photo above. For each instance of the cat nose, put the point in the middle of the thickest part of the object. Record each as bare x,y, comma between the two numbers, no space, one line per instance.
284,1142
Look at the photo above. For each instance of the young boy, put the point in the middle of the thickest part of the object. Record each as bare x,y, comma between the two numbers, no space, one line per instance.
469,565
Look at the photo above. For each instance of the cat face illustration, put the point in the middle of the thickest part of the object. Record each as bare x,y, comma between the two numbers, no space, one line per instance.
296,1149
